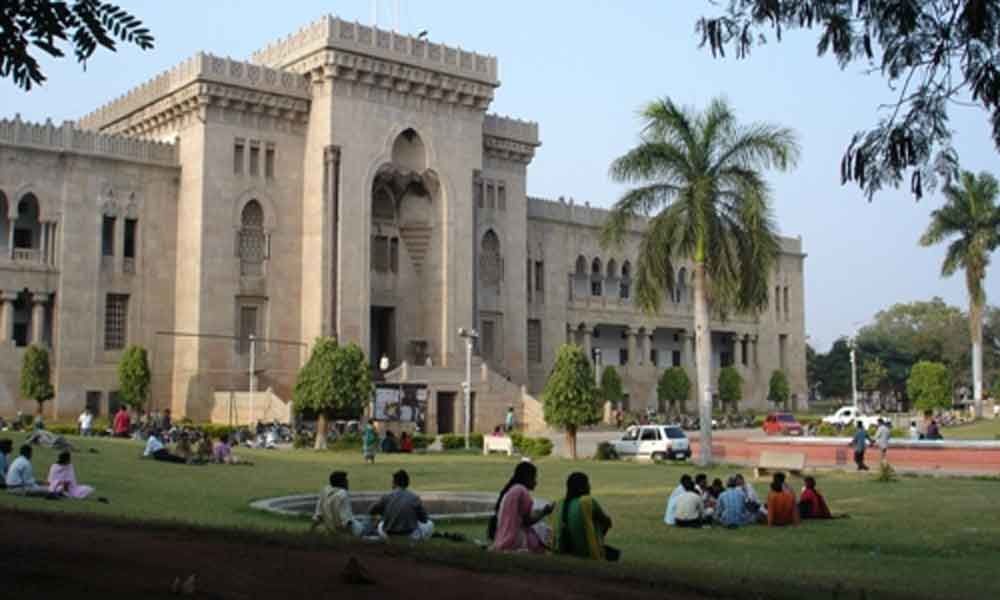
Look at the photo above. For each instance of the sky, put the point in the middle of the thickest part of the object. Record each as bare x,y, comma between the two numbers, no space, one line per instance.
582,69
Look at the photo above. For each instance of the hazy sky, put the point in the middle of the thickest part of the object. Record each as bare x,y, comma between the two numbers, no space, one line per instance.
582,69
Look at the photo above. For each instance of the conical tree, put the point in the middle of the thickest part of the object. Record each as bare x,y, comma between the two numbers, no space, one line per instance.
570,399
971,215
334,382
700,183
36,380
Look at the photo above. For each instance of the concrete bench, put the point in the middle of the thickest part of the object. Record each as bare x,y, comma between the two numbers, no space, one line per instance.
792,462
493,443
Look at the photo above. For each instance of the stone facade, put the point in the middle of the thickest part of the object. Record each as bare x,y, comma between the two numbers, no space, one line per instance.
345,181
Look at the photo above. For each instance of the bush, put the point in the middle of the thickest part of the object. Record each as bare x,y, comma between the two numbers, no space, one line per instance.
454,441
528,446
213,430
929,385
303,440
422,441
605,451
730,387
886,474
62,429
348,441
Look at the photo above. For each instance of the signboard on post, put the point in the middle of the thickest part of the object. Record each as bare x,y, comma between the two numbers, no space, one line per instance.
404,403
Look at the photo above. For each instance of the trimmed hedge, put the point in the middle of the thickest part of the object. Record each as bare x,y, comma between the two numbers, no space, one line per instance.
454,441
606,451
422,441
534,447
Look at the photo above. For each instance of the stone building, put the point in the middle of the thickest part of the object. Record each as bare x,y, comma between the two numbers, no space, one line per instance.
344,181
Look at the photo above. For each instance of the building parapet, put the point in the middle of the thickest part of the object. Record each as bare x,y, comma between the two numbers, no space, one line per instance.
505,127
200,67
332,32
68,138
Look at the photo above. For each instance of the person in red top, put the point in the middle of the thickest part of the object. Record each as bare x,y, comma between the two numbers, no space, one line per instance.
812,505
123,424
405,443
781,507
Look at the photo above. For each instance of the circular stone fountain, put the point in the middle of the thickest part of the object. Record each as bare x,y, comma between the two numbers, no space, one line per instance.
441,506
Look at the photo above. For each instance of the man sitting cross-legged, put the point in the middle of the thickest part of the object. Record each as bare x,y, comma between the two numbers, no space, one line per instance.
402,512
21,477
333,509
156,449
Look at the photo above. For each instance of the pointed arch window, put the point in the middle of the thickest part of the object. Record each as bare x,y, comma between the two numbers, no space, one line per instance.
252,240
625,283
490,260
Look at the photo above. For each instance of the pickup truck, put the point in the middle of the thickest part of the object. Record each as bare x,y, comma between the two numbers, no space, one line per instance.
656,442
849,416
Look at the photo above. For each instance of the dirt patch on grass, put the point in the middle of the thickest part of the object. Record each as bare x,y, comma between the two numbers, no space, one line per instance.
51,555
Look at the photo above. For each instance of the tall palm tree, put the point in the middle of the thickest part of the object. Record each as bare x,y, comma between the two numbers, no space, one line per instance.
971,215
699,181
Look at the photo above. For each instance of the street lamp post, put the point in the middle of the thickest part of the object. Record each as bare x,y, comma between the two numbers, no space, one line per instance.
597,367
253,384
854,377
470,336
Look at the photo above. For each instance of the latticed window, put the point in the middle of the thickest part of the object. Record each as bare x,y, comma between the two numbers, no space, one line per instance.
115,321
534,340
487,340
383,206
490,260
252,242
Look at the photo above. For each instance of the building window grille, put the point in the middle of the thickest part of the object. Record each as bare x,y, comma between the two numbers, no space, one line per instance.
115,321
239,151
252,241
534,340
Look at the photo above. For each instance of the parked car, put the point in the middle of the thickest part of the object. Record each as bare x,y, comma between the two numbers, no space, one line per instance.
781,424
849,416
657,442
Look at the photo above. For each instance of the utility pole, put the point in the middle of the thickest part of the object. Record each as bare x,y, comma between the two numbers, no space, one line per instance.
470,335
253,384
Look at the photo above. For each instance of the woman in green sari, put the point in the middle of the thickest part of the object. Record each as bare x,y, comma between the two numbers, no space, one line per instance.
580,522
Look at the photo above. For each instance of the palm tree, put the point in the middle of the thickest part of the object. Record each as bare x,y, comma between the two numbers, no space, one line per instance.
971,214
700,184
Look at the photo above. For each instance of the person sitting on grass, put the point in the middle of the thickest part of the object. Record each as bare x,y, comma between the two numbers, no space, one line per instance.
21,477
781,508
516,526
333,509
581,524
62,479
732,511
402,512
812,504
222,452
757,510
6,447
389,444
40,437
156,449
690,510
669,517
405,443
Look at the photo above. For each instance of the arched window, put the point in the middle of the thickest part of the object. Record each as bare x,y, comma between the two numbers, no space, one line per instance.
596,278
4,225
581,267
253,242
612,269
383,206
680,289
625,285
490,260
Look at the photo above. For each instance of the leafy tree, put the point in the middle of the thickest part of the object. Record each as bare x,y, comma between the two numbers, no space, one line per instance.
335,381
995,391
134,377
874,376
674,388
36,379
612,389
833,371
730,387
570,399
778,391
929,386
972,216
700,180
27,27
932,53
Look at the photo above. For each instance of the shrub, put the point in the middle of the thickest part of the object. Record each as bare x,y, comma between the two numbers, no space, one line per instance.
569,399
605,451
886,474
730,387
62,429
422,441
213,430
348,441
303,440
777,389
673,388
36,377
454,441
134,377
534,447
929,385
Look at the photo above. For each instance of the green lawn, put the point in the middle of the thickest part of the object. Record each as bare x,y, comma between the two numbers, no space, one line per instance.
985,429
918,537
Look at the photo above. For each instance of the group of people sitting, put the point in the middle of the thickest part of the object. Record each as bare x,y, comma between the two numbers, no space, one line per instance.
696,503
192,449
17,476
399,514
391,444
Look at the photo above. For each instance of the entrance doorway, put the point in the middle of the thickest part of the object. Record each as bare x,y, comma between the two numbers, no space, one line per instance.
383,334
445,412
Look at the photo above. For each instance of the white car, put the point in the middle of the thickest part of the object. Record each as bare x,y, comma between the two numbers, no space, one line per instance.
657,442
849,416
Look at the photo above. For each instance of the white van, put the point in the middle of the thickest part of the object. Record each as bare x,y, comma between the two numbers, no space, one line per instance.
657,442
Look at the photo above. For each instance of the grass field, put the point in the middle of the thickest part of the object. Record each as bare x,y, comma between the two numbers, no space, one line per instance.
985,429
917,537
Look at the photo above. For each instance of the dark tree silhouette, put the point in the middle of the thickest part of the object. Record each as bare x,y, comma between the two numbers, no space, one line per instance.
31,26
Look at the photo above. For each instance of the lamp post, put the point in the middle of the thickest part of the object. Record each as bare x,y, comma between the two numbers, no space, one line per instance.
854,377
470,335
597,367
253,384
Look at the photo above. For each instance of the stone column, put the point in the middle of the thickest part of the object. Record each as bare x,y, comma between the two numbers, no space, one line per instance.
588,341
7,316
738,351
43,247
648,350
10,238
38,301
630,344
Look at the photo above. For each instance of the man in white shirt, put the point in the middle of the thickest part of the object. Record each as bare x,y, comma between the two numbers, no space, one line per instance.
21,477
882,435
158,451
333,508
690,511
86,421
670,516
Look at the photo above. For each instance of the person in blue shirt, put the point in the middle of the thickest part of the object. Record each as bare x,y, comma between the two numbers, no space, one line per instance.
732,508
860,442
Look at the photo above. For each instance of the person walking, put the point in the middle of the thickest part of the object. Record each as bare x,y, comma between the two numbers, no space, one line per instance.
882,436
86,422
860,442
369,443
508,424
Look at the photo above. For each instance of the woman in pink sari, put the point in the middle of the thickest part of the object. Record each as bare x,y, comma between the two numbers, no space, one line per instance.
62,479
518,528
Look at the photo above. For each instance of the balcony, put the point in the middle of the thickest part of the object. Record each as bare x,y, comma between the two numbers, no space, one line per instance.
27,255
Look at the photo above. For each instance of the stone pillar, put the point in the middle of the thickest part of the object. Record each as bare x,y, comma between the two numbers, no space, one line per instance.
588,341
43,247
10,237
38,301
738,351
648,350
630,344
7,316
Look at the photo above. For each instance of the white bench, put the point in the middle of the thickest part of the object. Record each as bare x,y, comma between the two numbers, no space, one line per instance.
492,443
792,462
